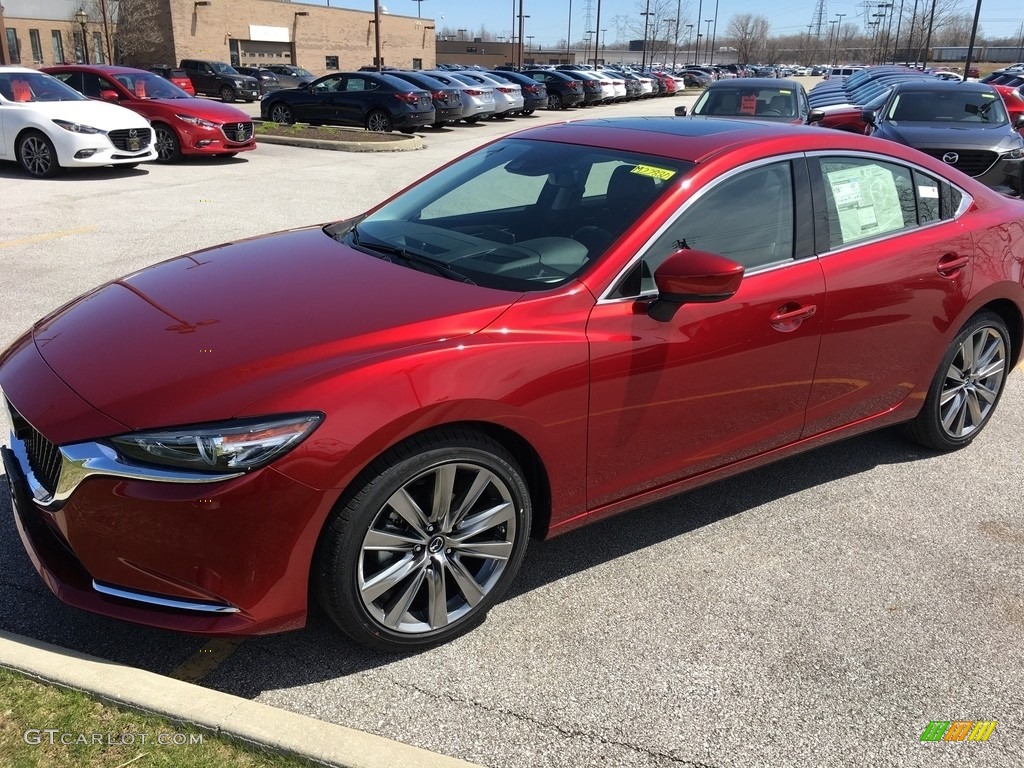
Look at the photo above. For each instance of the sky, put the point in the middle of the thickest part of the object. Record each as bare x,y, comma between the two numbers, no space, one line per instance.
548,19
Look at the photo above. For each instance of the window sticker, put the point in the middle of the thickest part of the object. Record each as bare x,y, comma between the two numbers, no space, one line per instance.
929,191
655,173
748,105
867,201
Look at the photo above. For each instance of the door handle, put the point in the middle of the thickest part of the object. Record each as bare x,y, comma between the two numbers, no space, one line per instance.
951,264
789,316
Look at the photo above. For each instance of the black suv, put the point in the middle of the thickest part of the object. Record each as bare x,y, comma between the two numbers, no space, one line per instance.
215,78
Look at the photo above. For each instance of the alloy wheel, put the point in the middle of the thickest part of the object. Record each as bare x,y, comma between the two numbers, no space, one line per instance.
36,156
973,382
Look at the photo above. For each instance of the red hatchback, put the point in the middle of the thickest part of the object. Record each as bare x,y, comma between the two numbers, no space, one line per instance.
563,325
184,125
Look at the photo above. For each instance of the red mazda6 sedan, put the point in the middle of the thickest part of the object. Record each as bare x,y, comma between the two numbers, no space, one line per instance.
183,124
559,326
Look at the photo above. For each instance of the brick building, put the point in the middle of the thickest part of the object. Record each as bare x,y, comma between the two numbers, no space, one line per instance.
243,32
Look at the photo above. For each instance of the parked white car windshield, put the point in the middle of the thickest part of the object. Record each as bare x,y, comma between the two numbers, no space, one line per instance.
35,86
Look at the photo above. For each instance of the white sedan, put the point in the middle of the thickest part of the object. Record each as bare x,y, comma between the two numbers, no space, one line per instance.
46,126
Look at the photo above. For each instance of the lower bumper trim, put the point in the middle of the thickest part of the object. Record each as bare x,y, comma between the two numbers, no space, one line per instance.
164,602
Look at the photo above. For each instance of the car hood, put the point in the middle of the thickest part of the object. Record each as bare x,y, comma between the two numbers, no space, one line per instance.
98,114
996,138
214,111
200,337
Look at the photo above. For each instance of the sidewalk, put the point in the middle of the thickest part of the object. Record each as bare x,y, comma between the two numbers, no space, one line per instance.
221,713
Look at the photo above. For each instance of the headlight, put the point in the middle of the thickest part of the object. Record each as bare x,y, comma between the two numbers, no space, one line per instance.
1013,154
67,125
197,121
241,444
240,83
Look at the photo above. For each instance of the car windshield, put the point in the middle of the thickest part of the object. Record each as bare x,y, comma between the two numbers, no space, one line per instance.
300,72
148,86
949,106
746,102
518,215
35,86
223,69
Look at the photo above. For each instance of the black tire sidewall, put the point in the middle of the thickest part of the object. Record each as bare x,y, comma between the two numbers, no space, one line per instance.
337,562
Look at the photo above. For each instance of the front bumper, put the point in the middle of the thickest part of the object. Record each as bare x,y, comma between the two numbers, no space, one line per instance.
83,150
231,137
228,557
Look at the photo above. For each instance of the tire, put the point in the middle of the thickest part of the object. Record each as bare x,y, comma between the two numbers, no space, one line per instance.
966,389
282,114
227,94
379,121
445,511
36,155
168,148
526,112
555,101
473,120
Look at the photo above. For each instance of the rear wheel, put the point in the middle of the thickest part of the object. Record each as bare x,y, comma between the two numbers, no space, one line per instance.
967,387
37,156
526,112
428,544
168,148
379,122
472,120
227,93
555,101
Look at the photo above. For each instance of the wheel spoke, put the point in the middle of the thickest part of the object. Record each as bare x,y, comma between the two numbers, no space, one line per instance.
465,582
955,374
390,577
952,410
484,521
390,542
975,408
407,508
444,486
480,482
488,550
967,355
988,394
400,605
437,599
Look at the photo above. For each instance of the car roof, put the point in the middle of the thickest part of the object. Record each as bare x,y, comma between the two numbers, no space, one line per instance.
931,85
108,69
756,82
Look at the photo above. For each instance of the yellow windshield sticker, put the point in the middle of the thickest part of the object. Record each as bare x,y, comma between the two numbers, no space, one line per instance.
785,92
655,173
987,95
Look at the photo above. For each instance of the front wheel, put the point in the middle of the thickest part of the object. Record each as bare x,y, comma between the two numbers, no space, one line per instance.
168,148
379,122
282,114
227,94
428,544
555,101
967,387
37,156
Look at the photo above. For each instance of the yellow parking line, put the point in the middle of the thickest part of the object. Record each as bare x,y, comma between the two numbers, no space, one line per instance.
48,236
206,659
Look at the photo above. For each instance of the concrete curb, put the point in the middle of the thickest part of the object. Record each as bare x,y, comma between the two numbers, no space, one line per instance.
402,143
221,713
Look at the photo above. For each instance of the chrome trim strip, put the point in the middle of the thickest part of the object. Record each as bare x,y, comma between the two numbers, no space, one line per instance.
80,461
164,602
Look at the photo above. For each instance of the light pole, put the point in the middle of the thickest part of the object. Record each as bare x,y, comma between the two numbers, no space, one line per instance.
461,33
643,51
689,40
586,50
568,35
714,35
83,18
831,37
419,7
700,7
707,37
839,25
674,43
600,54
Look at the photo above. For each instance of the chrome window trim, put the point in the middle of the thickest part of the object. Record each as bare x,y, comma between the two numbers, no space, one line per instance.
605,298
965,203
80,461
180,604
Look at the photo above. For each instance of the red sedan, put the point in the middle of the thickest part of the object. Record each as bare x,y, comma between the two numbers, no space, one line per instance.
560,326
184,125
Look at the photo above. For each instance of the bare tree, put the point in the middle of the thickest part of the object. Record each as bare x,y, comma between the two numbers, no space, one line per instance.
138,29
749,35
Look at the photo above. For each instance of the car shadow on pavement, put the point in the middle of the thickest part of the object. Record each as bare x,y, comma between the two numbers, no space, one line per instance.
321,652
103,173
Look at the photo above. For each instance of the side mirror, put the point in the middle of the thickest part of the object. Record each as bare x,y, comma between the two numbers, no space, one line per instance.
1018,123
869,116
690,276
303,86
108,95
680,111
815,116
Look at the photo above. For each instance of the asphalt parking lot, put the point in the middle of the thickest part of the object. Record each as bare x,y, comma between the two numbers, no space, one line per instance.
818,612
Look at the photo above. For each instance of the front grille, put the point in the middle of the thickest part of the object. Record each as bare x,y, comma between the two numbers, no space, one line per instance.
43,456
130,139
973,162
237,132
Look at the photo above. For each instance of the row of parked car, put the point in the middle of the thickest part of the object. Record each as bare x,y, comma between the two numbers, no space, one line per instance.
974,127
406,100
92,115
